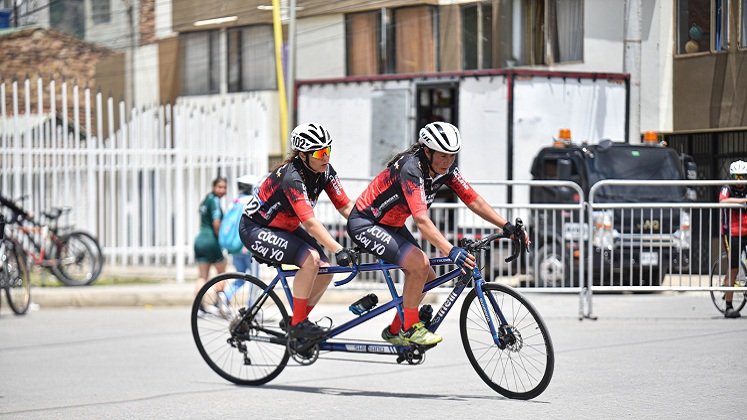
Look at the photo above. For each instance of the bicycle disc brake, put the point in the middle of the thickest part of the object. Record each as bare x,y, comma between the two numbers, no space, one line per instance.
511,339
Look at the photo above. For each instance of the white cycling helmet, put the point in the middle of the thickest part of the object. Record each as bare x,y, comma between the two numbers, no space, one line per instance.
738,167
441,137
309,137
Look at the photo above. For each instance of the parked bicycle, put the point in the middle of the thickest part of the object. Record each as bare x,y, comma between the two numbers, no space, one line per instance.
719,278
504,337
14,274
73,257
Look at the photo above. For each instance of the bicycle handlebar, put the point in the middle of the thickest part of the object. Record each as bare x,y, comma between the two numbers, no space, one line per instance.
518,244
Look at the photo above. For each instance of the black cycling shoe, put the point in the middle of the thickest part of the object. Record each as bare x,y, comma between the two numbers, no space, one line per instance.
731,313
306,329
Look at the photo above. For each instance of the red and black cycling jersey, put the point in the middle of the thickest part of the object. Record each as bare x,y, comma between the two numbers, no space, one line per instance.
288,195
404,189
734,220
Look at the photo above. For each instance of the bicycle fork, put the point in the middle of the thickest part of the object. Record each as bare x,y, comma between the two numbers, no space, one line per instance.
502,335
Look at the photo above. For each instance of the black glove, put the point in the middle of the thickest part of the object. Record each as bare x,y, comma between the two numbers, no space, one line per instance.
458,255
509,229
344,257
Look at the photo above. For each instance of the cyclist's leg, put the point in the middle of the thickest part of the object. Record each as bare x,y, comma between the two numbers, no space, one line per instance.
396,245
285,247
320,283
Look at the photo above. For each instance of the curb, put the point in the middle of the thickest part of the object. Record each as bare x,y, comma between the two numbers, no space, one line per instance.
164,295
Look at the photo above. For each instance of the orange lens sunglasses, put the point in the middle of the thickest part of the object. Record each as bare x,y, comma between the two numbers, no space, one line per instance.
321,153
740,176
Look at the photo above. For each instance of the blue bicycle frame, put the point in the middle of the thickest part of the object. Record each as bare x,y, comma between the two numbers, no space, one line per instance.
396,301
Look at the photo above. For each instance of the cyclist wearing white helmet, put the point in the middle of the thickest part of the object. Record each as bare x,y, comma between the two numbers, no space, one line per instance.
407,187
735,225
279,227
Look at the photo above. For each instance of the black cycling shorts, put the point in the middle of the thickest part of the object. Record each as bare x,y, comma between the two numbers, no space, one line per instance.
278,245
386,242
736,246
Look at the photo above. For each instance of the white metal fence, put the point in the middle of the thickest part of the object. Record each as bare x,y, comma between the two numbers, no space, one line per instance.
135,182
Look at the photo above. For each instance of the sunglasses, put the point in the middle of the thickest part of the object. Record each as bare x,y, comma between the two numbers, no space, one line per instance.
740,176
321,153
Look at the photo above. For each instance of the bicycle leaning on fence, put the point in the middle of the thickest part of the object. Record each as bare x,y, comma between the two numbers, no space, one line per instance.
73,257
14,274
720,278
504,337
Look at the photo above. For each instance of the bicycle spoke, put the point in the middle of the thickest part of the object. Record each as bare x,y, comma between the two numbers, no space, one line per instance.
522,366
225,336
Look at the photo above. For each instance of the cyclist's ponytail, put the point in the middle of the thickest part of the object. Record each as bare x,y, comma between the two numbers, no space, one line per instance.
414,148
292,155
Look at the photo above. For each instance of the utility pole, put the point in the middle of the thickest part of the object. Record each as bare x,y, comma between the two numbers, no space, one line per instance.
15,13
632,65
291,80
131,72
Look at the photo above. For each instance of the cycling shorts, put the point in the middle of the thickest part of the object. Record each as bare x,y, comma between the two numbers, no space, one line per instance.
389,243
736,246
278,245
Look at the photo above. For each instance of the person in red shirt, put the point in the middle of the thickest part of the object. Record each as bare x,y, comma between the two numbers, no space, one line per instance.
735,225
278,224
407,187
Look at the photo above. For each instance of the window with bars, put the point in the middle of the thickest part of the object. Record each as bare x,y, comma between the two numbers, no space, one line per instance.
101,11
251,64
200,62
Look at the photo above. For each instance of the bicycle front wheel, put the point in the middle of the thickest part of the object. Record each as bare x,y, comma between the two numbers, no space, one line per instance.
16,275
719,273
520,369
79,259
236,328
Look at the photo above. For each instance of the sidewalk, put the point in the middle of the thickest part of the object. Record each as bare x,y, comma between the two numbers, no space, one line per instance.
164,291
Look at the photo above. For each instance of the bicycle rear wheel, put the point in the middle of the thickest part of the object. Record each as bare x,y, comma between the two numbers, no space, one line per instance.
240,341
16,274
523,369
79,259
719,271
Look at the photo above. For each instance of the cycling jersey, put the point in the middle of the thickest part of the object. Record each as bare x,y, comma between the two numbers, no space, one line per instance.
286,198
734,219
404,189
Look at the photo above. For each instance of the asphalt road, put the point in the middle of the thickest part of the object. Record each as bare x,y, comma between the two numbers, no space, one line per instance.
647,356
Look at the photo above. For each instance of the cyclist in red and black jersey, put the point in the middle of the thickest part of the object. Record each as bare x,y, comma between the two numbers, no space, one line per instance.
735,225
407,187
271,227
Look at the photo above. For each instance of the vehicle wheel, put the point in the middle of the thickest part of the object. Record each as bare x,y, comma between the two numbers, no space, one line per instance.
79,259
719,271
524,367
239,334
550,268
16,273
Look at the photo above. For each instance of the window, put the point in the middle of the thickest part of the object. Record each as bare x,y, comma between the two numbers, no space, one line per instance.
251,64
414,41
389,41
721,39
549,31
200,67
363,40
68,16
101,11
743,25
477,36
695,34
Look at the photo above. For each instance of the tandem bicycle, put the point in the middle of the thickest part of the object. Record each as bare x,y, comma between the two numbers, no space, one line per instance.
504,337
